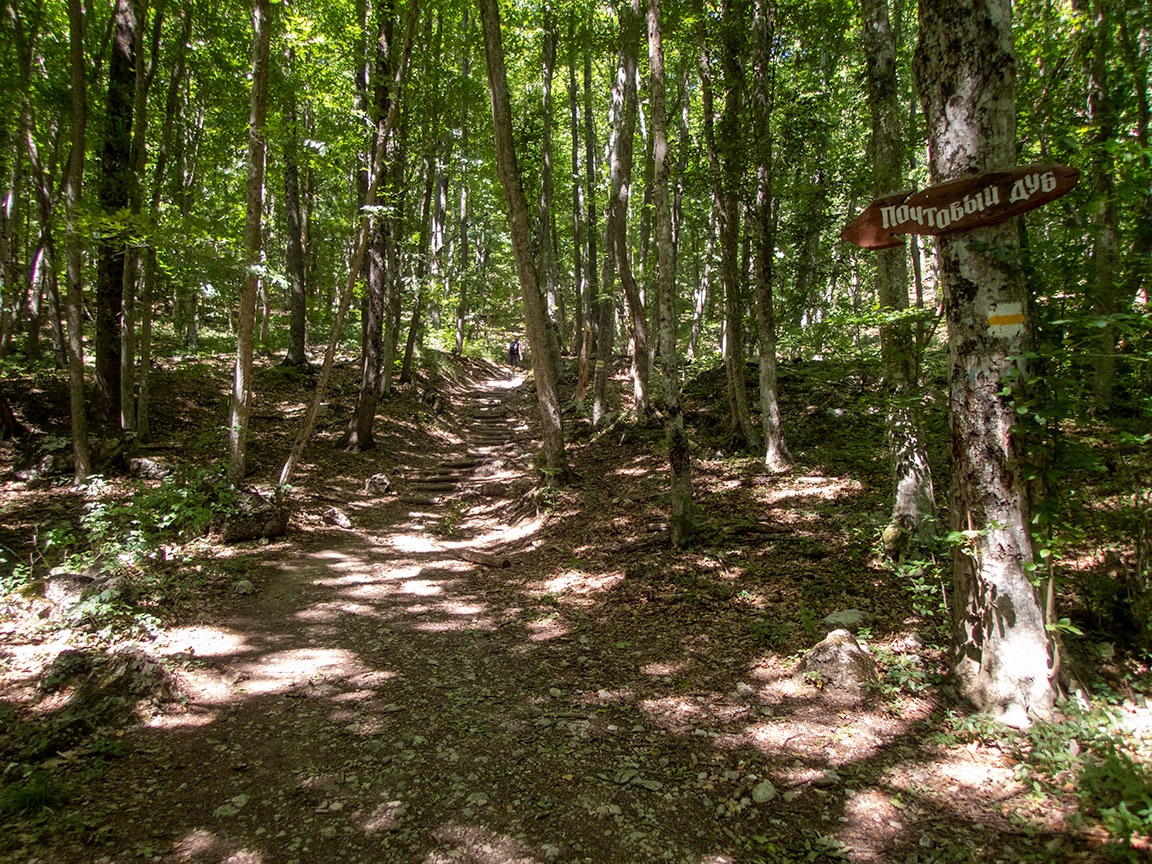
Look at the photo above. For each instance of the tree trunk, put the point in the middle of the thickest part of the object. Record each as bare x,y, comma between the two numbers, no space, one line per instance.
115,195
545,263
679,456
394,294
422,256
913,501
360,435
1138,263
145,74
355,264
465,252
241,401
619,185
724,156
294,250
599,308
555,465
143,426
703,282
776,455
579,279
1002,657
1105,289
82,459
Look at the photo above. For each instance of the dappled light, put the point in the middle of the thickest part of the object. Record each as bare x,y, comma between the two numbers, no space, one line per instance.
496,674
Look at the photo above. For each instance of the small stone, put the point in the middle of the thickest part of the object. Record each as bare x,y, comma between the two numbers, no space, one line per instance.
478,798
828,778
555,692
225,810
244,587
743,689
763,792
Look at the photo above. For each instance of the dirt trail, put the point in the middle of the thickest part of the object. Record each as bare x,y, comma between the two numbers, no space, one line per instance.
382,698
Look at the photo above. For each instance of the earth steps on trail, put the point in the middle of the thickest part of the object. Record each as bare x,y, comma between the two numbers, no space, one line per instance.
490,461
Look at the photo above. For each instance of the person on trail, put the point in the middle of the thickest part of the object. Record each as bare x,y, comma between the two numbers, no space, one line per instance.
514,354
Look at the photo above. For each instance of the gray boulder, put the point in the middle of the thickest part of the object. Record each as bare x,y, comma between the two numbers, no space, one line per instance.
843,671
256,517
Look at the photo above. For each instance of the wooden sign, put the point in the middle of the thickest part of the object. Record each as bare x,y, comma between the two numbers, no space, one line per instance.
959,205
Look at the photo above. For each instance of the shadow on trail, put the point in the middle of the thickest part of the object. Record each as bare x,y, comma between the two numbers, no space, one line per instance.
379,699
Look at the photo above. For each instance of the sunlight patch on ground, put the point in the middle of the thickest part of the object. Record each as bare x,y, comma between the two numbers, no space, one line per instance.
478,845
828,488
244,856
872,813
671,709
958,774
354,696
384,817
543,631
366,575
576,582
206,641
280,670
418,544
186,720
664,668
197,842
422,587
332,611
458,607
499,534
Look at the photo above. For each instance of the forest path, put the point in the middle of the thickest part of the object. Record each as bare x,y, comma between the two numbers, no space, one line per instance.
386,694
384,698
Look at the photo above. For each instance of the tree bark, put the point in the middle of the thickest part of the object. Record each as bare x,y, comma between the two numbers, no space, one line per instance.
599,307
555,464
143,426
679,456
115,196
579,279
1002,657
1105,289
913,500
545,262
82,459
725,157
776,455
619,184
241,402
360,435
465,252
294,250
145,74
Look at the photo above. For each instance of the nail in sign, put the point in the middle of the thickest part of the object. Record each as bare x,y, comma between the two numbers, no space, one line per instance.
959,205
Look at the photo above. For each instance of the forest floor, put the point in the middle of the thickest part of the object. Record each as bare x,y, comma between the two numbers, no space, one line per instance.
471,667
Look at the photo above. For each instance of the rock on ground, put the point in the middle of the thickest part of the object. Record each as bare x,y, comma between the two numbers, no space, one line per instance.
844,672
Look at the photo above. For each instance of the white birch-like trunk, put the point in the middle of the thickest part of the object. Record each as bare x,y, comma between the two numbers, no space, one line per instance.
1002,657
913,500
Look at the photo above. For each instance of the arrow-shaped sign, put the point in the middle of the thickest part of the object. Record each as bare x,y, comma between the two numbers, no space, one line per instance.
959,205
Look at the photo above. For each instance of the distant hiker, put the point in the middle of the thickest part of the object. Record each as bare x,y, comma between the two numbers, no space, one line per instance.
514,354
